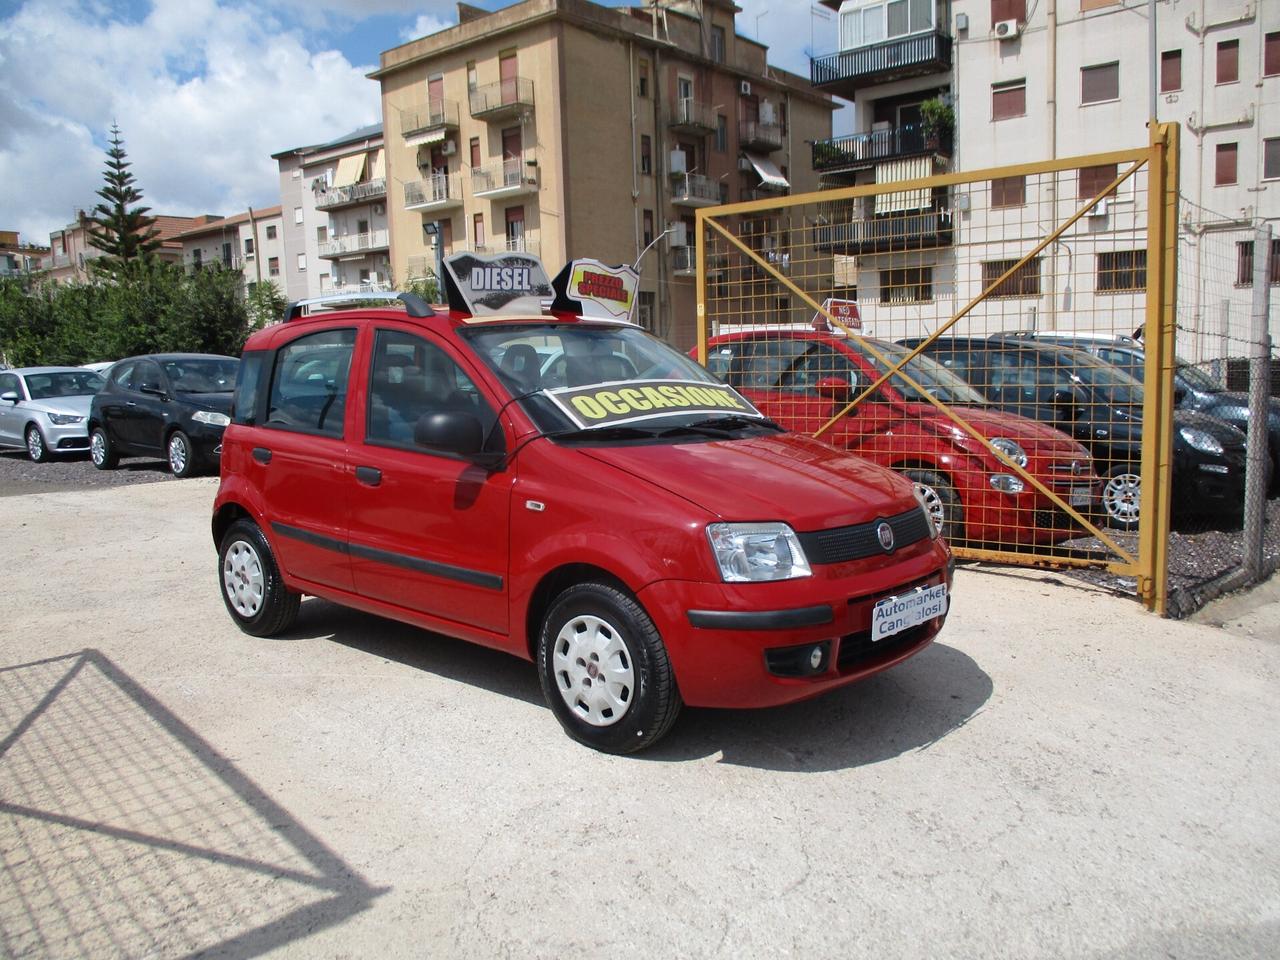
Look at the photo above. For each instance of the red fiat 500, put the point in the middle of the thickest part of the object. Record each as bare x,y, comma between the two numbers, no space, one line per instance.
569,490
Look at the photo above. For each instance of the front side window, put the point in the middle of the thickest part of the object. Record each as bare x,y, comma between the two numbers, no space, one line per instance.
9,384
309,383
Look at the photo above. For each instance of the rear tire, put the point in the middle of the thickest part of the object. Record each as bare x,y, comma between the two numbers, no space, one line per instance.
251,585
605,671
1122,496
101,452
944,503
36,448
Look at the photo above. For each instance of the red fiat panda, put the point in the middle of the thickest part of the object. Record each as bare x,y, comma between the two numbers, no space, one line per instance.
570,490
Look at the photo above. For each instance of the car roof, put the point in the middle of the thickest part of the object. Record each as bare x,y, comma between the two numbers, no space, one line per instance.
178,356
24,371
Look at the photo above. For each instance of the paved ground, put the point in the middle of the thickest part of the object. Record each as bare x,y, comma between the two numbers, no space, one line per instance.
1061,776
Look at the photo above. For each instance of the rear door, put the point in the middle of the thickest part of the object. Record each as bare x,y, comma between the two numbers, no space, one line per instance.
429,531
10,418
146,408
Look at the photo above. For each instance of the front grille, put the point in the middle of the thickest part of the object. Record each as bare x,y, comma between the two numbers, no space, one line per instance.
857,648
841,544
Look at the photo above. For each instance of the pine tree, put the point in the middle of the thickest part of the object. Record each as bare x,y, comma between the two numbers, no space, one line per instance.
123,233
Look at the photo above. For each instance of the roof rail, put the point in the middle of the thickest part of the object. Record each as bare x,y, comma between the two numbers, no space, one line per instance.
414,305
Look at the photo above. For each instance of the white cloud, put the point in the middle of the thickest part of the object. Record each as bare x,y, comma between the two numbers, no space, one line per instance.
425,25
204,92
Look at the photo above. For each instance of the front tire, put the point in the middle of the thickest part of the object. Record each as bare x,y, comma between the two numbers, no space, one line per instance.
1122,497
182,457
252,588
101,452
605,671
942,501
36,448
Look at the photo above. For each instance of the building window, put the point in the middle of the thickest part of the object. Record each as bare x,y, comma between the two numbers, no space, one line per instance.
1009,192
646,154
1025,281
906,285
1271,159
724,191
1224,168
477,230
1122,270
1008,10
475,152
1100,83
1244,263
1170,71
362,226
646,312
297,214
1087,5
1271,54
722,133
302,262
1228,61
647,235
248,246
1093,180
271,233
1009,99
874,22
322,234
473,80
273,266
717,44
642,83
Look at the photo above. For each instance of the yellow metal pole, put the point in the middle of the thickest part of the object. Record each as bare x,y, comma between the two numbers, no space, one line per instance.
701,248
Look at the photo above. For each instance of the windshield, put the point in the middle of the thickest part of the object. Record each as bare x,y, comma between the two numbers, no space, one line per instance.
1199,379
79,383
940,382
202,374
536,360
1110,384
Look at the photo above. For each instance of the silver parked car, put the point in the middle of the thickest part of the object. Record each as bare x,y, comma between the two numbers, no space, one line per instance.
46,409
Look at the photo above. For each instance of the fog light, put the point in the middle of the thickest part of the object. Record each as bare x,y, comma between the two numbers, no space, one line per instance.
1007,483
815,658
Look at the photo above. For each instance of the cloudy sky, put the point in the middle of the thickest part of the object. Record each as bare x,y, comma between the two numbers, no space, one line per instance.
205,91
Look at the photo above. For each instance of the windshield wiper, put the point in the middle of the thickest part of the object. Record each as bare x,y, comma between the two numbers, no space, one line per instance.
605,433
722,426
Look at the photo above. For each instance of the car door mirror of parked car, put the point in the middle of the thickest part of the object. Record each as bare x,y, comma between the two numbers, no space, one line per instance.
835,389
9,396
1067,402
1179,394
153,389
454,431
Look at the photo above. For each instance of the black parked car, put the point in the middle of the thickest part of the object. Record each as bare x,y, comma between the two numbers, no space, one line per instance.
172,405
1194,389
1101,406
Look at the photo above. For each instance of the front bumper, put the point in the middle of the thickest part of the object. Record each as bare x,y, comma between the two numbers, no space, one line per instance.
720,635
74,436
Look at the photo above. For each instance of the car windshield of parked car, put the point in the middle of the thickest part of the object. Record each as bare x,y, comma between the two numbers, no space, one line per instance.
532,359
1112,384
1199,379
78,383
202,374
940,382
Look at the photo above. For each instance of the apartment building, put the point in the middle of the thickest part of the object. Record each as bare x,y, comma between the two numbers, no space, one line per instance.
251,242
335,223
18,258
72,250
1031,81
569,129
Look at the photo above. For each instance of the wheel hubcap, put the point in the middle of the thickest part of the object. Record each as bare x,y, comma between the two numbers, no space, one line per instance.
243,579
593,670
35,445
98,448
177,455
1121,497
937,509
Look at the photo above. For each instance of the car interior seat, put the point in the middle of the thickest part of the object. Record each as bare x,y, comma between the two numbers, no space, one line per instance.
520,368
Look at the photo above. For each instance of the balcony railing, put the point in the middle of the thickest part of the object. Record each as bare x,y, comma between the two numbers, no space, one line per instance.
868,149
217,263
694,190
889,233
352,193
61,260
754,135
355,243
525,244
348,289
438,190
425,117
844,72
504,178
497,101
689,115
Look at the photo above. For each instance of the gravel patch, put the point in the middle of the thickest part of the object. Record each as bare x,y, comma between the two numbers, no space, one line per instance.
19,476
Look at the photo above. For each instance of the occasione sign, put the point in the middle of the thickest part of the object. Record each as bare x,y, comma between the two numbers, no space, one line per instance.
608,404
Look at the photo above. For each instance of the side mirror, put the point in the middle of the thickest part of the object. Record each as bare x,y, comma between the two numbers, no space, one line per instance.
9,396
835,389
1179,394
449,431
152,388
1065,401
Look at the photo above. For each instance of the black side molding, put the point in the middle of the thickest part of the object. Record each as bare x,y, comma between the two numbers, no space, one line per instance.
762,619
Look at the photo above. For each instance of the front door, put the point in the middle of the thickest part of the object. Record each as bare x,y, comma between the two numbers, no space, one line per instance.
146,409
507,75
10,418
429,531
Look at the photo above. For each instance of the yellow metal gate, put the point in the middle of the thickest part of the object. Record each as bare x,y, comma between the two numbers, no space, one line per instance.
928,322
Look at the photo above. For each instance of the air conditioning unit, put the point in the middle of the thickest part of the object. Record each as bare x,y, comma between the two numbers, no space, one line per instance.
677,162
745,165
1007,29
1101,208
679,234
448,148
744,88
379,208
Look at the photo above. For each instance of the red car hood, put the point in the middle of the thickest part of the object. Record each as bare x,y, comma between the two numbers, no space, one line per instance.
1031,434
786,477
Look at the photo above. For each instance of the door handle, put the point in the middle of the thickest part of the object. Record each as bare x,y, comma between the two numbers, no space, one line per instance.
262,454
130,403
369,476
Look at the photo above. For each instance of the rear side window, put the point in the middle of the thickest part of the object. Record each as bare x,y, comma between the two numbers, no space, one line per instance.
245,404
309,384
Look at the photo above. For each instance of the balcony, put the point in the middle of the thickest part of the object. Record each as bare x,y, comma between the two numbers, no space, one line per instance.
887,233
440,191
354,244
525,244
502,100
504,178
694,190
865,150
684,261
753,135
690,116
61,260
351,194
846,72
428,122
353,289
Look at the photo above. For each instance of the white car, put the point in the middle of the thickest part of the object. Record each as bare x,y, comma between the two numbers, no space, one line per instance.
46,409
99,366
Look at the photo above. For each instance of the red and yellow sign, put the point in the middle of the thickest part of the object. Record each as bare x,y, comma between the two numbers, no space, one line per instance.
608,404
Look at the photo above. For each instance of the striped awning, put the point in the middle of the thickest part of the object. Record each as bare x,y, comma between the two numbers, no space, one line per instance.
349,170
894,171
378,166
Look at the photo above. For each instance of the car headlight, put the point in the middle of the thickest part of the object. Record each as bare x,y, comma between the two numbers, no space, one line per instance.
922,498
1013,451
64,419
754,552
211,417
1204,442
